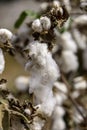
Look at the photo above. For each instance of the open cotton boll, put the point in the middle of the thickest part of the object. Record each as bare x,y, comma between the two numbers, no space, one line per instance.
79,38
77,117
58,124
37,123
2,62
69,61
61,86
44,6
22,83
5,35
75,94
68,42
36,26
45,22
58,112
80,83
42,67
80,20
56,3
60,98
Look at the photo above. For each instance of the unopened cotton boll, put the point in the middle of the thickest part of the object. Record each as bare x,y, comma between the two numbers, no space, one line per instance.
68,42
45,22
22,83
36,26
5,35
69,61
2,62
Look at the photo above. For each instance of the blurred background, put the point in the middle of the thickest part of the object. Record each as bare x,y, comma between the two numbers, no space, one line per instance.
9,12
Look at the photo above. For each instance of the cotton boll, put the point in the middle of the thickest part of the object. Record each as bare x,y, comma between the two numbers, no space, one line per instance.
60,98
42,67
77,117
5,35
75,94
22,83
58,112
61,86
68,42
79,38
83,5
56,3
44,6
80,83
58,124
45,22
37,124
2,62
80,20
36,26
67,64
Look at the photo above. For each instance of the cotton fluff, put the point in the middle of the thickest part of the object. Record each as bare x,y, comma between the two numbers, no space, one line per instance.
37,124
5,35
47,106
45,22
69,61
43,73
42,67
68,42
36,25
22,83
2,62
